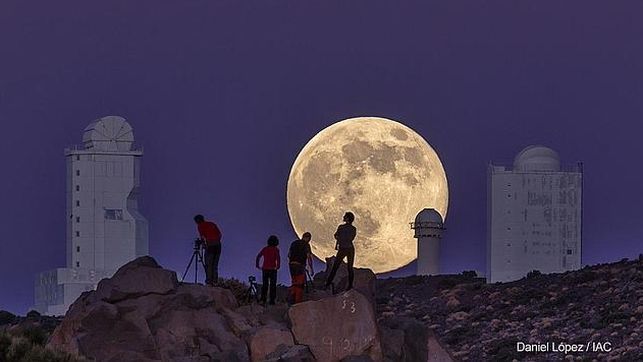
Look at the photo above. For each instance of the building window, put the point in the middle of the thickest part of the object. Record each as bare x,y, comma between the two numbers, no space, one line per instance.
77,233
77,172
77,187
114,214
77,157
77,264
569,251
78,249
77,218
77,202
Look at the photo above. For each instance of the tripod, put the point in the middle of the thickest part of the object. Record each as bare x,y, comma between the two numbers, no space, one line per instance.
197,258
252,294
309,281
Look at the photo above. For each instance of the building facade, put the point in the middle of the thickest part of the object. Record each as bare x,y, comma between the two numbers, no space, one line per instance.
534,216
104,227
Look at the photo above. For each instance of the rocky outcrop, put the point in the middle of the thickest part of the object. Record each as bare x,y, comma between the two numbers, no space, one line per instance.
297,353
268,339
136,279
406,339
436,351
337,327
143,314
364,282
402,339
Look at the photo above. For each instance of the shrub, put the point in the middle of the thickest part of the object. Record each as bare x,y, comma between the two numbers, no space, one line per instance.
5,343
458,335
446,284
505,350
33,314
18,349
35,335
21,349
42,354
586,276
469,274
527,294
533,274
6,317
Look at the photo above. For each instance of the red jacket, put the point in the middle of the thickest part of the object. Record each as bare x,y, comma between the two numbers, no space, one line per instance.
209,232
271,259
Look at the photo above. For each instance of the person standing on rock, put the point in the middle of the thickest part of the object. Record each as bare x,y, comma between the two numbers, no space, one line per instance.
344,237
299,255
271,263
210,235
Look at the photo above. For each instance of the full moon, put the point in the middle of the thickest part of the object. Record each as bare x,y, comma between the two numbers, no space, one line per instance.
382,171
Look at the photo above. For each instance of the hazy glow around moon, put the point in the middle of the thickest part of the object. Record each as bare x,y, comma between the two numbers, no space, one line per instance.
379,169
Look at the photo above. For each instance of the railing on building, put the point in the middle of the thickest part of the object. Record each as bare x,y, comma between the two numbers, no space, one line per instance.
76,147
502,167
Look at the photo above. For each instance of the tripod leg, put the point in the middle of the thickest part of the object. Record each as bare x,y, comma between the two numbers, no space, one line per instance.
187,268
196,269
200,260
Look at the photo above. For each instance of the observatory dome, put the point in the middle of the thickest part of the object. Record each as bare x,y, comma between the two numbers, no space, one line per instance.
428,216
428,223
110,133
537,158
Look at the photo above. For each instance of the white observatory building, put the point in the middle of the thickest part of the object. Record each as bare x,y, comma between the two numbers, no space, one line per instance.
428,228
534,216
104,227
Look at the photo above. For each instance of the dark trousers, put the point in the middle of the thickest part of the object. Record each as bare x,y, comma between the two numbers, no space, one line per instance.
269,279
341,254
212,254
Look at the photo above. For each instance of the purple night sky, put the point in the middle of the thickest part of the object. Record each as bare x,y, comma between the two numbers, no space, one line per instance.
224,94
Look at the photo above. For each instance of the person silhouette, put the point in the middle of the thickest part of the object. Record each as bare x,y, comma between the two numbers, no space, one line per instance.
344,237
271,264
210,235
299,255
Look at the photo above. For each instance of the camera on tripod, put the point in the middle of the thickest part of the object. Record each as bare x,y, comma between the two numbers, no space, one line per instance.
198,243
252,294
196,259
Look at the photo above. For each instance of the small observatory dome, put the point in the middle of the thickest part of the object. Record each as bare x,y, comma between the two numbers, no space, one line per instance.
111,133
537,158
428,222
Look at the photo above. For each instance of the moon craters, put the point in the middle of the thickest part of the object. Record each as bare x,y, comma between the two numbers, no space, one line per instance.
382,171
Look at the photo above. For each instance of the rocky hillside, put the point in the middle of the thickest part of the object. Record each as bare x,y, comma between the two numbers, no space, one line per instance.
143,313
598,304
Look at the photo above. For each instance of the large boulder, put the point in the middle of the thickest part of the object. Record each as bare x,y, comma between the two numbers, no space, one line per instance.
141,314
437,351
337,327
296,353
404,339
139,277
364,281
268,339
